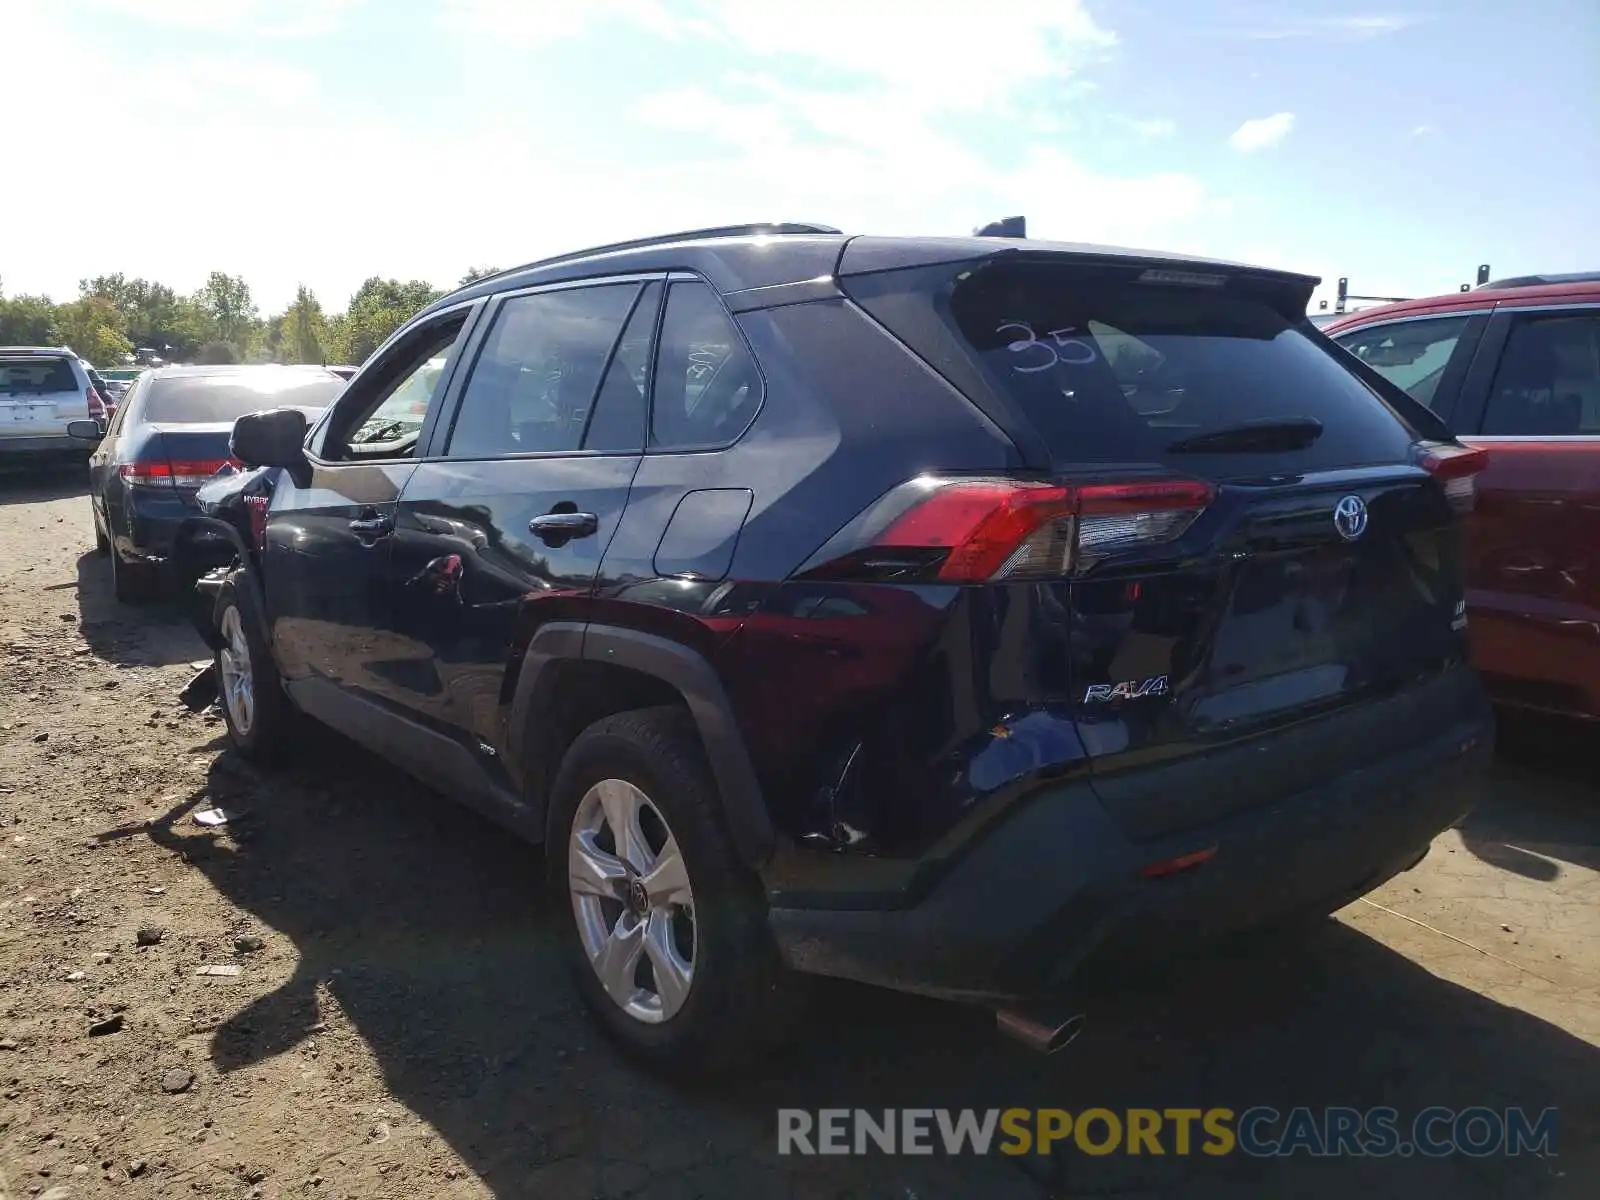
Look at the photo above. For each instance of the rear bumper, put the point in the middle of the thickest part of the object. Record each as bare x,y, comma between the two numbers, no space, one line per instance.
154,518
1057,881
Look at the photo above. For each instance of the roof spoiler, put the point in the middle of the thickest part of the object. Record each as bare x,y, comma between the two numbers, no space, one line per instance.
1006,227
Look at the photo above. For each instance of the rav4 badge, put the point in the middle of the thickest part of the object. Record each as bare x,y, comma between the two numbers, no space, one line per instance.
1128,689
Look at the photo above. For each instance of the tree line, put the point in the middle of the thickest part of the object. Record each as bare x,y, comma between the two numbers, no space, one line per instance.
218,323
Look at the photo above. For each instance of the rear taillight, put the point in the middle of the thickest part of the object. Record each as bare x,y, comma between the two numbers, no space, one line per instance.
189,473
97,406
1457,469
195,471
146,474
973,531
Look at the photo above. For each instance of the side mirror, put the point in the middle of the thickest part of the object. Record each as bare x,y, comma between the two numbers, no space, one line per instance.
85,431
274,438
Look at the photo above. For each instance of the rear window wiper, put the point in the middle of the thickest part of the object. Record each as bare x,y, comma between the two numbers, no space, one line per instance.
1260,436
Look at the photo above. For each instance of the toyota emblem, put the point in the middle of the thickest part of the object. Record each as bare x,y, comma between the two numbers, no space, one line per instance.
1350,517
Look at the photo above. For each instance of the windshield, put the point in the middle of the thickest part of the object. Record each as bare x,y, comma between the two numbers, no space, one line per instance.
1110,369
212,398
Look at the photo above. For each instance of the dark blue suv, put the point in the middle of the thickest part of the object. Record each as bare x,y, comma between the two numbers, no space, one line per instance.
940,613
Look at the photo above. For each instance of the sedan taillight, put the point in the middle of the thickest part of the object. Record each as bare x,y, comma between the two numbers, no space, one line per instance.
184,473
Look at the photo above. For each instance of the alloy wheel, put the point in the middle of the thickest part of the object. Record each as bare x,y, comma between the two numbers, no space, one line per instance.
632,900
238,690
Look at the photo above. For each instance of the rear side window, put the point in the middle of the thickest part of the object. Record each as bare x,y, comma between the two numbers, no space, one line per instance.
205,399
1548,383
1412,355
1111,369
707,388
534,383
36,376
617,422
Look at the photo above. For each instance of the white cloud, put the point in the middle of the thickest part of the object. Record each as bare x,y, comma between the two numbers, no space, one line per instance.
953,54
865,145
1151,127
867,120
1262,133
1421,131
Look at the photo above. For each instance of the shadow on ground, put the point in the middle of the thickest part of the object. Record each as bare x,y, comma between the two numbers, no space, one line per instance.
1543,808
422,923
154,633
34,485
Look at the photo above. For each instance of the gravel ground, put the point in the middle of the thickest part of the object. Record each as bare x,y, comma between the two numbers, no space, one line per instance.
392,1021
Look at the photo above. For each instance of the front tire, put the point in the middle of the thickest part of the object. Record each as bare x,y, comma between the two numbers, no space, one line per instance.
663,927
248,687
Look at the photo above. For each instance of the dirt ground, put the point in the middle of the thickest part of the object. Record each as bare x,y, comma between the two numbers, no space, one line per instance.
399,1026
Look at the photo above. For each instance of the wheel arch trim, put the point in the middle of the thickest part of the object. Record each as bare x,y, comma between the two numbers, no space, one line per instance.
684,670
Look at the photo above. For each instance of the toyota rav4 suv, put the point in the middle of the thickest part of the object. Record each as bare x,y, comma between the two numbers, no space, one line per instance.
948,614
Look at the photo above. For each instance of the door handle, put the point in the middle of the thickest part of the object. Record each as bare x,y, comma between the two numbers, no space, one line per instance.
373,526
563,526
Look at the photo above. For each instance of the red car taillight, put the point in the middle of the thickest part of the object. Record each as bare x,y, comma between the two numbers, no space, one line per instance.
97,406
974,531
146,474
181,473
1457,469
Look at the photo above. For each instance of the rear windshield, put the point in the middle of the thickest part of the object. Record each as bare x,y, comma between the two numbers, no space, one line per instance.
33,376
1110,369
203,398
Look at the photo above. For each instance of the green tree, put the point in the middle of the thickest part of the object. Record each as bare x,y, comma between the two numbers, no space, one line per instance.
225,301
217,354
28,321
304,329
379,307
151,311
94,328
476,273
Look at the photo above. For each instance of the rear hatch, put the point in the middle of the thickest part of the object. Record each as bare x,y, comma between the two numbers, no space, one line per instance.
39,394
1248,537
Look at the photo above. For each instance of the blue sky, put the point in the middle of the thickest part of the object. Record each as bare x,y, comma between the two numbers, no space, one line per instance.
322,141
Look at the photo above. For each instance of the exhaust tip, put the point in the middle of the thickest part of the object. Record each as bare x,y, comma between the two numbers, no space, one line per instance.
1040,1033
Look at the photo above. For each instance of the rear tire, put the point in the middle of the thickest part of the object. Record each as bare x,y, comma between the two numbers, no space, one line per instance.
664,928
130,583
249,690
102,543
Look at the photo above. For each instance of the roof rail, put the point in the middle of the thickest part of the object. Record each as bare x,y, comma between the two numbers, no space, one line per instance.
1522,281
662,239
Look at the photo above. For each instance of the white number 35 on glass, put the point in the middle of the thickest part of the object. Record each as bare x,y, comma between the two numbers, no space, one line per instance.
1033,354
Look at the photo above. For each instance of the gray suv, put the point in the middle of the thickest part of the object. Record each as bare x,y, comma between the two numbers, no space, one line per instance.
42,390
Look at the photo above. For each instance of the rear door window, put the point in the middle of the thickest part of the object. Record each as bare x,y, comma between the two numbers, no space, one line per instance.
1548,382
533,387
36,376
1412,355
1110,369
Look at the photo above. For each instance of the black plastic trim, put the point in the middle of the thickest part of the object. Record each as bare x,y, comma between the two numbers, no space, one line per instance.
690,675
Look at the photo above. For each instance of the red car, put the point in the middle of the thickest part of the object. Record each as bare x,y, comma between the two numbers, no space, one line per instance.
1514,367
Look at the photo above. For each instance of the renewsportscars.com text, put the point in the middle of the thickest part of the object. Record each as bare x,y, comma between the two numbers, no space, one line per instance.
1259,1131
